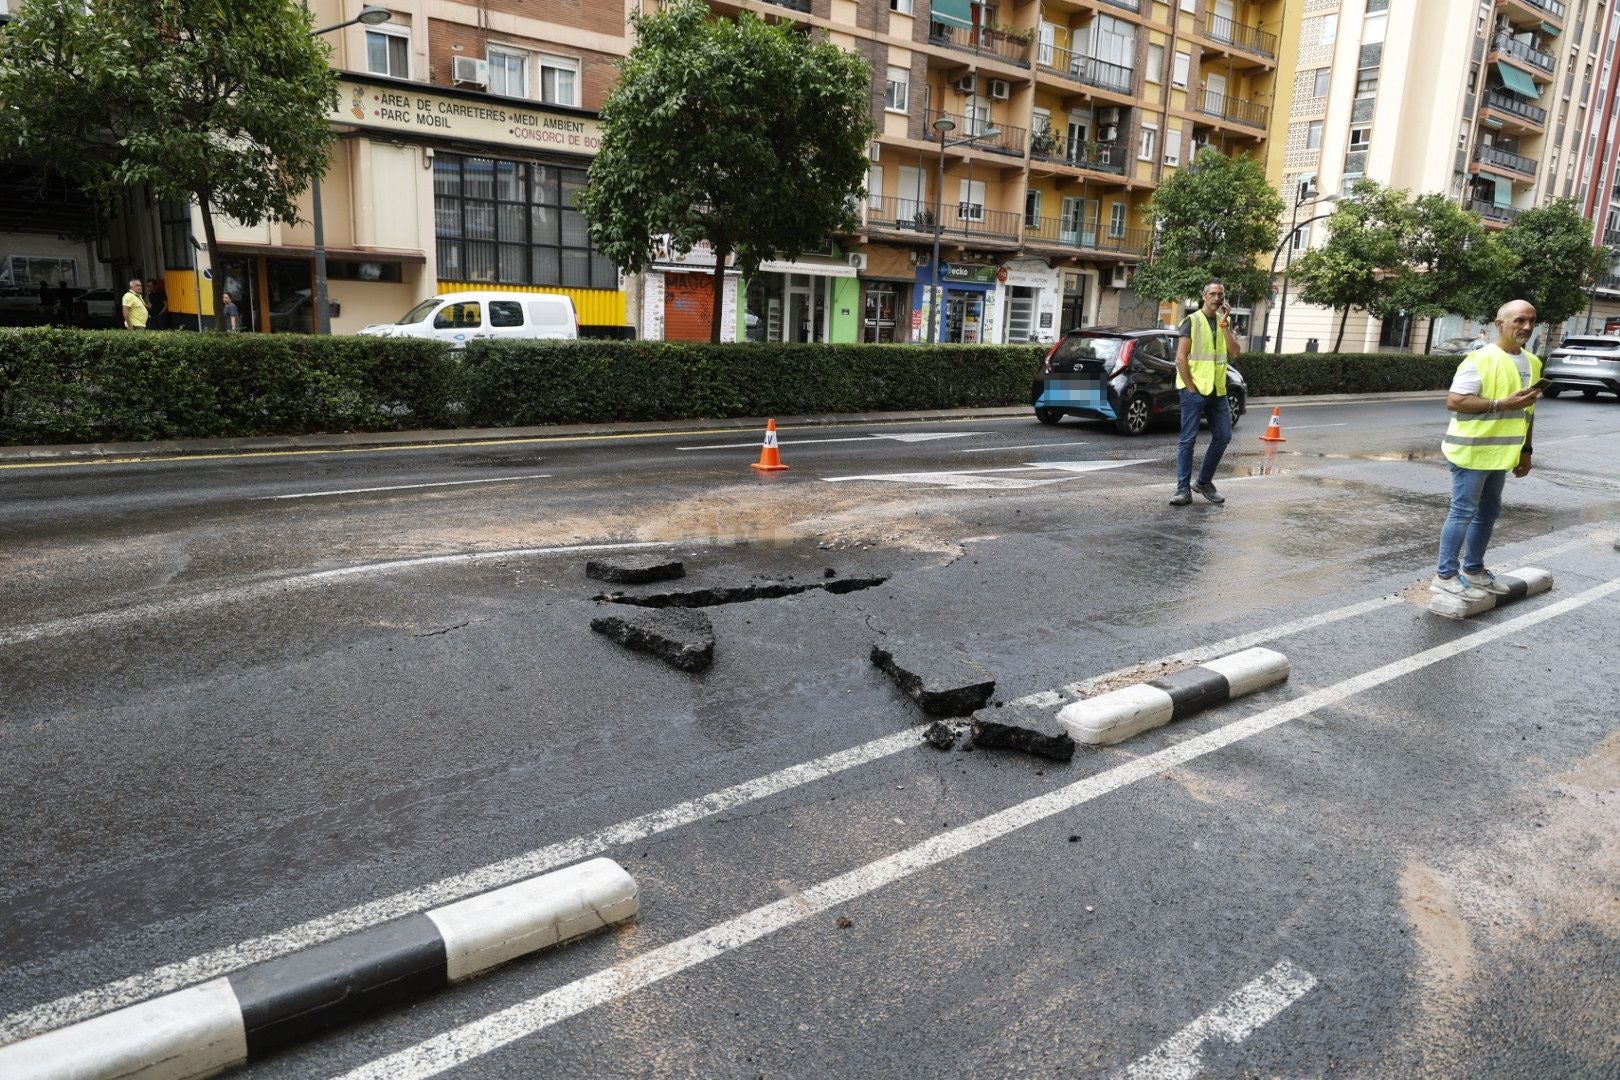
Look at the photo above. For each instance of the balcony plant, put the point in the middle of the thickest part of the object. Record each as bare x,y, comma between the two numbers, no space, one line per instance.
1043,141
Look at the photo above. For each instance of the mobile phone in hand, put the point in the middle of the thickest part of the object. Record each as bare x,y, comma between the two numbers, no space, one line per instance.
1541,384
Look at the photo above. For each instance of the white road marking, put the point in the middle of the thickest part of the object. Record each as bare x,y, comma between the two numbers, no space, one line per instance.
1255,1005
910,437
927,436
476,1038
1309,427
1025,446
965,479
158,609
405,487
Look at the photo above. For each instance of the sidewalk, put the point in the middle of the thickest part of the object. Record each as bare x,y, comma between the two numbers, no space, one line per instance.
369,440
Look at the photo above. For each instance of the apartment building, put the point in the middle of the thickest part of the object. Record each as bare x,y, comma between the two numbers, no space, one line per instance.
1598,171
1488,101
1032,135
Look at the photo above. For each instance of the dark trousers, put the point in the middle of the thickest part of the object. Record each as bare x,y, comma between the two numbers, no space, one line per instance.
1196,407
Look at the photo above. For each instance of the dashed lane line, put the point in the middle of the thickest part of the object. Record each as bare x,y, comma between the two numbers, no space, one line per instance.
905,437
479,1037
1025,446
1256,1004
403,487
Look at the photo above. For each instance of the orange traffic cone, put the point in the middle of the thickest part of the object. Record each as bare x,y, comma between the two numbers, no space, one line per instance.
1274,429
770,458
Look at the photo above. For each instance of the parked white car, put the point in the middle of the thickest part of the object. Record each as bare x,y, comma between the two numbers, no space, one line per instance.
457,318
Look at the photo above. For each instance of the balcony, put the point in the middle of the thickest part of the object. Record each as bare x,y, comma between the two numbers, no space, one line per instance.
1108,157
1086,236
1493,213
1088,70
802,6
1008,140
1500,160
980,42
1611,238
1250,39
1608,283
1523,111
1128,5
1237,110
1539,9
916,216
1507,45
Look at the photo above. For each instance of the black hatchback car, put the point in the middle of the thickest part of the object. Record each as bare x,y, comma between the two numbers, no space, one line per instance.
1127,376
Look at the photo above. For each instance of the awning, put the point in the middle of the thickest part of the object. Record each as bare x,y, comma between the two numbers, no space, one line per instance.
1550,30
1517,81
1504,191
958,12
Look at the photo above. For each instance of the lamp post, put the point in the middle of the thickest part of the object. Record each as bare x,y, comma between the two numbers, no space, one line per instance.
1288,242
944,125
369,16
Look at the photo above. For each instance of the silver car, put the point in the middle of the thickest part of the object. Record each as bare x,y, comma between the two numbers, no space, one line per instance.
1588,364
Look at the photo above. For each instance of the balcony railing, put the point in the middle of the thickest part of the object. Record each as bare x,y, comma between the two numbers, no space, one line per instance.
792,5
1492,211
1555,8
956,219
1507,103
1234,109
980,42
1508,45
1248,38
1128,5
1611,238
1083,69
1086,235
1503,159
1608,283
1110,157
1008,140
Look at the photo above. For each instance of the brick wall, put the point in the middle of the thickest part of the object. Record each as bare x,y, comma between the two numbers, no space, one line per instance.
596,70
599,16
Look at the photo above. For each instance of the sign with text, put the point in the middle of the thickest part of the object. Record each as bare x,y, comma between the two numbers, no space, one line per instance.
974,272
420,111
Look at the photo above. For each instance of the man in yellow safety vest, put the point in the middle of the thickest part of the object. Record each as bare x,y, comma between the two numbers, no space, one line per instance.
1201,353
1492,403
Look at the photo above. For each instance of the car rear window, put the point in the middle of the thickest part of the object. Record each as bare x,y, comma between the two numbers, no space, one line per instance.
1085,347
1591,344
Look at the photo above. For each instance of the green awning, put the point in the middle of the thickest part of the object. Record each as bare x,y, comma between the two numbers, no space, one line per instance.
1517,81
1504,192
1550,30
958,12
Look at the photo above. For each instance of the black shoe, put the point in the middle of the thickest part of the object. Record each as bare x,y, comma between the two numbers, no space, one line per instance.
1208,491
1181,498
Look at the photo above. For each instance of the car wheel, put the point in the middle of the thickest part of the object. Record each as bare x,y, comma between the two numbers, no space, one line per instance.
1589,394
1235,405
1048,416
1552,391
1135,415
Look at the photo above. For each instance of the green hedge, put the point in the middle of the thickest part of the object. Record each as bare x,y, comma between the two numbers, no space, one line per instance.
1344,373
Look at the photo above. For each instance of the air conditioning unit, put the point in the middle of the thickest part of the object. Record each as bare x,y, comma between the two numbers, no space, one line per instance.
1119,278
1108,116
1110,132
1000,89
469,71
857,259
967,84
873,151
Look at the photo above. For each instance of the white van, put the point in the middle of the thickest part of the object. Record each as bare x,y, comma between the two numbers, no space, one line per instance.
457,318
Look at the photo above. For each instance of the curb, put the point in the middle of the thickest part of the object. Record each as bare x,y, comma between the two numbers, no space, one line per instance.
1527,581
228,1021
1115,716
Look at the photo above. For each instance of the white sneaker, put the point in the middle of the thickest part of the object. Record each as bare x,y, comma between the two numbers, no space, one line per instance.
1456,586
1486,581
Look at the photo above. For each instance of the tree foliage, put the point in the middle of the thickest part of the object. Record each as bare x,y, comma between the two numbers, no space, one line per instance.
222,103
1359,264
743,134
1452,262
1212,220
1553,263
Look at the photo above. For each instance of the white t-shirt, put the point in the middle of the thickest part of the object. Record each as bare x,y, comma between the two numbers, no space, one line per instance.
1468,380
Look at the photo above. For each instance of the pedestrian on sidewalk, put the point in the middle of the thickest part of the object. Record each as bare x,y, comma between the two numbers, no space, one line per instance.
1492,403
133,307
1205,343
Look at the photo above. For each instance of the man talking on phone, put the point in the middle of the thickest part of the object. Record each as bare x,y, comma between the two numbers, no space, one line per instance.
1492,403
1205,343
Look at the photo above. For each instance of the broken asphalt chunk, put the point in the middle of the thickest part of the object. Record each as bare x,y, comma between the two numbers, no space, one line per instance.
635,569
1020,727
940,735
941,680
681,639
739,594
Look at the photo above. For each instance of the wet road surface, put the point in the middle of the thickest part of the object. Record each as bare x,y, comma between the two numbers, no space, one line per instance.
242,695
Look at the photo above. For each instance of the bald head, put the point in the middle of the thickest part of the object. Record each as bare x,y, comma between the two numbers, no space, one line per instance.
1515,322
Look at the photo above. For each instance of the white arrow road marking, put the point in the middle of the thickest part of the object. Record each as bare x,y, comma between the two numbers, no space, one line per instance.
404,487
1181,1056
918,436
1026,446
977,479
928,436
1087,466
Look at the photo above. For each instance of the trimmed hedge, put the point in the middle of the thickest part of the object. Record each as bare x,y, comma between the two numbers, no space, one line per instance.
1344,373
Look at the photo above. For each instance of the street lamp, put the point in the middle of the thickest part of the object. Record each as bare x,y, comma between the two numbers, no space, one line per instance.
1288,242
944,125
369,16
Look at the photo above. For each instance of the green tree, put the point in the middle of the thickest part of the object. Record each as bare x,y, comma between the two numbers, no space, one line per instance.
744,134
1212,220
1361,260
1452,263
1554,263
224,104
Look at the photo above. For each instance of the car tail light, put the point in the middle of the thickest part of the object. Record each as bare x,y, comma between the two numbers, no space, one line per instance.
1124,360
1046,365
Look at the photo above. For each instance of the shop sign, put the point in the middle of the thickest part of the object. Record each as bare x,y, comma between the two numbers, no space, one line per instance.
974,272
1030,279
414,111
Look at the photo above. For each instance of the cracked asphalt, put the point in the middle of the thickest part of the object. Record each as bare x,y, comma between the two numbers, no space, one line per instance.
223,716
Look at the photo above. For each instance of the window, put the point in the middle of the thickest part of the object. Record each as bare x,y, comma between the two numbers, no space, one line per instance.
348,270
505,313
1172,147
1149,143
1155,64
1330,29
1313,135
508,72
1116,216
1113,41
1372,31
459,316
897,90
971,206
1032,209
900,7
1188,5
1178,72
1367,83
1360,138
1302,238
1396,332
513,223
388,51
874,187
977,115
1324,78
559,80
175,216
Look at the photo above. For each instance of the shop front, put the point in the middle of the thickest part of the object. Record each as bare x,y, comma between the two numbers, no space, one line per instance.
1027,292
806,300
966,314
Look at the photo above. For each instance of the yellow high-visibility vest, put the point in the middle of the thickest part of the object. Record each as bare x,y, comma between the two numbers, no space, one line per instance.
1206,358
1492,441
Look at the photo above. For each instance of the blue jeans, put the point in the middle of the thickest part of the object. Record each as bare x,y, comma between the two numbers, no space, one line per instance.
1195,407
1476,501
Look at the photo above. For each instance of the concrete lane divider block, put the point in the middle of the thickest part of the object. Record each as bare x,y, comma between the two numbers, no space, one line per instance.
1526,581
1115,716
208,1028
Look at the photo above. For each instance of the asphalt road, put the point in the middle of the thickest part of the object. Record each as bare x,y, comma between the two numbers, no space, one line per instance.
241,694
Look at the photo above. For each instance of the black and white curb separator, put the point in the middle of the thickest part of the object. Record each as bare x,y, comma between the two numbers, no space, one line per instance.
208,1028
1119,714
1520,583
